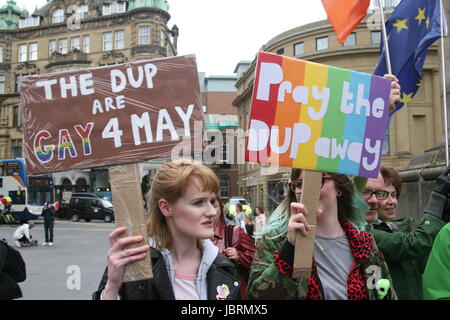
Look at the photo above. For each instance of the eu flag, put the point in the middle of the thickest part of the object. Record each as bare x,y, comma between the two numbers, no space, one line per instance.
411,29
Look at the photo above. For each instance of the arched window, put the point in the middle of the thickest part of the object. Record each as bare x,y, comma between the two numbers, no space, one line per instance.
58,16
66,185
81,185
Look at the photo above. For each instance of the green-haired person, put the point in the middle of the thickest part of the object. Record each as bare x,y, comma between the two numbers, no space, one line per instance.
346,261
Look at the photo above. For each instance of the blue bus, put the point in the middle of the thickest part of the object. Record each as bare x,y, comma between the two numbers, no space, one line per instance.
28,194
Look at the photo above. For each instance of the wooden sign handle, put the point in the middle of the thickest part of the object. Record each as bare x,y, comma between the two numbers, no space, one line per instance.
304,247
129,212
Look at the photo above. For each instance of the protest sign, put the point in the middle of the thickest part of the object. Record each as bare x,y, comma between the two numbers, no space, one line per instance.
113,116
317,118
109,115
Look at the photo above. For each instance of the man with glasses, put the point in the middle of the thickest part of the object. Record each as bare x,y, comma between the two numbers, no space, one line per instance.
372,194
405,249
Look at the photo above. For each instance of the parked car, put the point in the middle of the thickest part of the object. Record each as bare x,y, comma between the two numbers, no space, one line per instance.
88,208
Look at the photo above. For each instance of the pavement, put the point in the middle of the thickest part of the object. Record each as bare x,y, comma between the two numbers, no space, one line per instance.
71,269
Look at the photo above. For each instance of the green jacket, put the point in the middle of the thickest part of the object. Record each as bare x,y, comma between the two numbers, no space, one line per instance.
406,252
267,282
436,278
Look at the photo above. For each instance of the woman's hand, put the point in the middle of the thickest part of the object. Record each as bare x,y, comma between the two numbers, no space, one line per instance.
231,254
118,258
395,96
297,222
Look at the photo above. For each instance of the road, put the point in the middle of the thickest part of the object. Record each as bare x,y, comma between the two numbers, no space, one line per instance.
71,269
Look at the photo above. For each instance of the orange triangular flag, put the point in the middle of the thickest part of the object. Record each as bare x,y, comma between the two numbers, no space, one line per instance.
345,15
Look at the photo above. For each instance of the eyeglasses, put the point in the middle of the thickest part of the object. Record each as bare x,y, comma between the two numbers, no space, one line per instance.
379,194
297,185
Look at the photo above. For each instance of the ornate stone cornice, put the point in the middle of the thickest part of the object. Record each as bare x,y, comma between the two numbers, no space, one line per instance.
25,65
88,24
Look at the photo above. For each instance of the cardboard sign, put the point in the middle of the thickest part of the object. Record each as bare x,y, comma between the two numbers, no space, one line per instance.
103,116
317,117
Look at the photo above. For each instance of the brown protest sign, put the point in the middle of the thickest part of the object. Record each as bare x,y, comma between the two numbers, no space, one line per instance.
109,115
117,115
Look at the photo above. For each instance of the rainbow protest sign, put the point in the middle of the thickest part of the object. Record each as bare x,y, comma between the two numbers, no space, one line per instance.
317,117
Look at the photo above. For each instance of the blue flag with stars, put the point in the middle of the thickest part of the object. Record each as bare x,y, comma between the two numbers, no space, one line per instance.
412,28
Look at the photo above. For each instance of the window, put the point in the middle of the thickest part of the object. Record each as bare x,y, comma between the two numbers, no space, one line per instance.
280,51
321,43
17,84
121,7
106,9
32,21
107,41
144,35
1,54
58,16
16,148
33,52
63,46
114,7
16,117
2,85
299,48
75,43
23,53
163,40
51,47
86,44
351,40
376,37
82,12
224,187
119,40
18,196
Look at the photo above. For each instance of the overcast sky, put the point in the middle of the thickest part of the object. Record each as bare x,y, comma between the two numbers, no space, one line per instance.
223,32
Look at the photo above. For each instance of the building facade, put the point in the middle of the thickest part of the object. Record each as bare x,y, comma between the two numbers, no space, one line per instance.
69,35
415,128
221,124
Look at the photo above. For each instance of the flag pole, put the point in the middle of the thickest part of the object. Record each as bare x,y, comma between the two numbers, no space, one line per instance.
444,87
385,39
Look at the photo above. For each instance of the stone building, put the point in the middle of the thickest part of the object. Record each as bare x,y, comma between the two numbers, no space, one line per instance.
221,124
415,128
69,35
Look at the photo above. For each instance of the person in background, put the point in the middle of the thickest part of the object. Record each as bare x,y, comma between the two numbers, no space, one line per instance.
405,249
393,185
240,216
186,264
49,215
436,277
235,244
372,194
22,235
344,254
12,271
260,220
249,226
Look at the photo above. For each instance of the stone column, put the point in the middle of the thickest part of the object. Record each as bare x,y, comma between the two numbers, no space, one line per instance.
438,114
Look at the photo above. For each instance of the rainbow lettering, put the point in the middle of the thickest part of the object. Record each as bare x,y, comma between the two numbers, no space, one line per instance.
44,154
317,117
85,134
65,143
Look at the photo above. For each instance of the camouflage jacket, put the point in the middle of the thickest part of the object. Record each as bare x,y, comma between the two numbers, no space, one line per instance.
267,282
